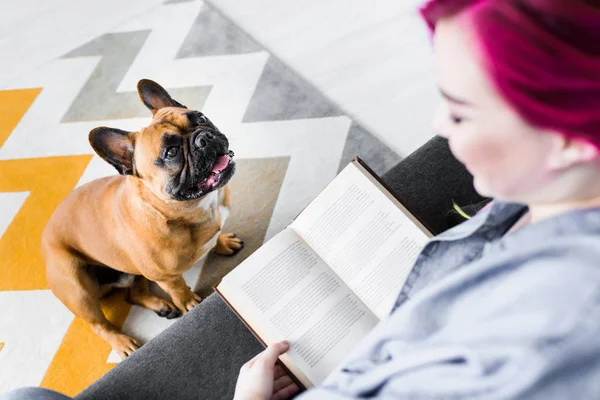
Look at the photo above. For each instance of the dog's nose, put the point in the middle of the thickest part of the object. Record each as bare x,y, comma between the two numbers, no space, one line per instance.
201,138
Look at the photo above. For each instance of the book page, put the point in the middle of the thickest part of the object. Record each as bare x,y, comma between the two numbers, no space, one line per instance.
364,237
285,291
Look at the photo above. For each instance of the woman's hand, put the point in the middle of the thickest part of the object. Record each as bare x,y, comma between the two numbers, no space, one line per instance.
261,379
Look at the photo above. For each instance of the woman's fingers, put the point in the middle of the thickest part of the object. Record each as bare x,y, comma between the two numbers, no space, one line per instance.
281,383
271,354
251,361
286,392
268,357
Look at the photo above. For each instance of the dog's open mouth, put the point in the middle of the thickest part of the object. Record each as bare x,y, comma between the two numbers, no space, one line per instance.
213,180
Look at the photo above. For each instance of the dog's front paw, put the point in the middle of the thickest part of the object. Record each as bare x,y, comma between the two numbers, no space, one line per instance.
123,345
167,310
228,244
186,303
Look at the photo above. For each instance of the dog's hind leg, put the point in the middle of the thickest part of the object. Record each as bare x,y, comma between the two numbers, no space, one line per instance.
140,294
109,279
70,281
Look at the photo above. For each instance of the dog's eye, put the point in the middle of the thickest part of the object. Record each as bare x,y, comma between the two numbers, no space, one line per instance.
172,152
202,120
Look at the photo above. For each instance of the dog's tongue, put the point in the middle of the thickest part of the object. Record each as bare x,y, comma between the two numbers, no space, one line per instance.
220,164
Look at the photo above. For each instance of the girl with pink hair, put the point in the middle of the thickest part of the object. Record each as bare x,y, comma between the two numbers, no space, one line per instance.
506,305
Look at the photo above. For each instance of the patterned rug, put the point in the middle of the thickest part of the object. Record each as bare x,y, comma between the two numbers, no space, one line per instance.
289,140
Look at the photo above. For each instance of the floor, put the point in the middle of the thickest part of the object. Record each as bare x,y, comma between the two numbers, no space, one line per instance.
372,59
33,32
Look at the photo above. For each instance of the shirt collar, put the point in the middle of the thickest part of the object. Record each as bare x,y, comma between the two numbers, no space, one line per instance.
492,222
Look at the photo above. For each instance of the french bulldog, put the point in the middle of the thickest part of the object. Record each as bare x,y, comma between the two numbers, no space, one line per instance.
152,222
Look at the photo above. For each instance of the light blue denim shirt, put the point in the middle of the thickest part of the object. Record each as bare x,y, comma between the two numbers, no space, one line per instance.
487,314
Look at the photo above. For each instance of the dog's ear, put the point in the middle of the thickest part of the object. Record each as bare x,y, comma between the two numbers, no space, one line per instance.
115,147
155,96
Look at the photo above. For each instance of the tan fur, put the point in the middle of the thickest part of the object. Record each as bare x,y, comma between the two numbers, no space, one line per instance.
129,224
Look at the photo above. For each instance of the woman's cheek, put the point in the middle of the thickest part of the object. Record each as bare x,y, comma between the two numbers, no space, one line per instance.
478,158
470,151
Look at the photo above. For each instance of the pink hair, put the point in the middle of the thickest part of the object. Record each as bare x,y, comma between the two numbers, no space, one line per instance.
542,55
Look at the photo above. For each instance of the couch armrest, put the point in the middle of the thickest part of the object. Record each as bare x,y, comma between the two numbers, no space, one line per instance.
429,180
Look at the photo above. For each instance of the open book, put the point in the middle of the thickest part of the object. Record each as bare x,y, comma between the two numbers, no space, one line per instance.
326,280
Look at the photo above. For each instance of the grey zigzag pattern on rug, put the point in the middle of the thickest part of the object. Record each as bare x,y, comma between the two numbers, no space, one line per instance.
288,95
98,99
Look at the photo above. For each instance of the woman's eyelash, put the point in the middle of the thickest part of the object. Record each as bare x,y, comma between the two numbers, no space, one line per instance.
455,119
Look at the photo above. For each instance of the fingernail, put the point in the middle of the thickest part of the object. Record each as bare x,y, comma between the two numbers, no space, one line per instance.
285,343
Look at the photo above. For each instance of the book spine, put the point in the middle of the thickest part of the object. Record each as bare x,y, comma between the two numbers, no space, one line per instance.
389,189
264,344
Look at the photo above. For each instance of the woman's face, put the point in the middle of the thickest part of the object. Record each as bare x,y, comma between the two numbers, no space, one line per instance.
509,159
